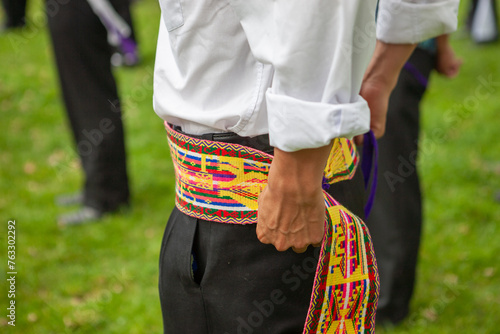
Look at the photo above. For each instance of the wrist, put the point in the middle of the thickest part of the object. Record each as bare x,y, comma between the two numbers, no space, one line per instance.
301,171
386,63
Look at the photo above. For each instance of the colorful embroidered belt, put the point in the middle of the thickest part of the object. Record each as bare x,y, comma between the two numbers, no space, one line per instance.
221,182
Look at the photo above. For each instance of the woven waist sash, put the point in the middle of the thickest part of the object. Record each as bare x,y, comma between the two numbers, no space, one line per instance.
221,182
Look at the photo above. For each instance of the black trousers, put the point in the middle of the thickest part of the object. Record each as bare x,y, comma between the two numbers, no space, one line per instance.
15,11
396,219
238,285
91,99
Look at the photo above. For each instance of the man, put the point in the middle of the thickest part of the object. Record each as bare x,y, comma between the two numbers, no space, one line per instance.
395,222
292,71
82,53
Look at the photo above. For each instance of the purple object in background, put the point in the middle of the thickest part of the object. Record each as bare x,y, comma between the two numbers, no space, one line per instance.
416,74
127,48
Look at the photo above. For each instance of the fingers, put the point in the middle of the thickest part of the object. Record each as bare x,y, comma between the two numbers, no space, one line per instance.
299,250
302,250
289,224
261,235
298,241
358,140
378,124
281,243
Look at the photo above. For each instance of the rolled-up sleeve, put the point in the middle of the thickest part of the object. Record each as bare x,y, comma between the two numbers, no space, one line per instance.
319,50
412,21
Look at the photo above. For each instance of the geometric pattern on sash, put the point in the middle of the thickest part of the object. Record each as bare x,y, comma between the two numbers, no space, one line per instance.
346,285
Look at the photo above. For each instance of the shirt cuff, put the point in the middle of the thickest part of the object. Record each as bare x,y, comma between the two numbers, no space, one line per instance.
413,21
296,124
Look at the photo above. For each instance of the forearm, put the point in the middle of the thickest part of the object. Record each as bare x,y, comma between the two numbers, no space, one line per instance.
386,63
447,62
442,42
300,169
381,78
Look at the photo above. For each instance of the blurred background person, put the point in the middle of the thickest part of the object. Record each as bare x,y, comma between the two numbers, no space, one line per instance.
395,222
482,21
83,57
15,13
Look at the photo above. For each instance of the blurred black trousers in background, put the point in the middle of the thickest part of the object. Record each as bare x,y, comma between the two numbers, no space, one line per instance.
15,11
82,54
395,222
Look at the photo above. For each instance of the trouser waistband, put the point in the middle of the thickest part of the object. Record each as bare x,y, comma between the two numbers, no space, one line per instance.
260,143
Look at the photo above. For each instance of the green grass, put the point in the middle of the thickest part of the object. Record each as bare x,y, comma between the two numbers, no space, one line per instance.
103,277
95,278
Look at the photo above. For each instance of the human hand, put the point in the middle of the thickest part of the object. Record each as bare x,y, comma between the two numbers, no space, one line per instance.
380,79
290,218
292,207
376,93
447,63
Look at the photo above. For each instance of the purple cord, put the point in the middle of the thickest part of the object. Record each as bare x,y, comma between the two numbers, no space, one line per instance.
369,161
416,74
325,184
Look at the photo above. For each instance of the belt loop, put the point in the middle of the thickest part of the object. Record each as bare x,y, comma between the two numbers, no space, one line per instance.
208,136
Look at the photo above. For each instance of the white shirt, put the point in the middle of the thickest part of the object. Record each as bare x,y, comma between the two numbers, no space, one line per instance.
290,68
